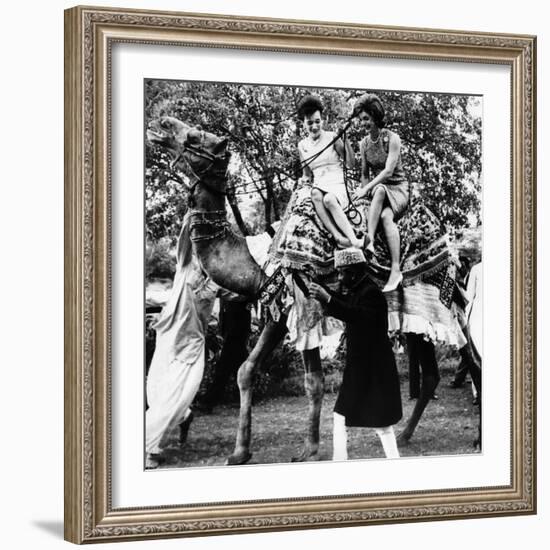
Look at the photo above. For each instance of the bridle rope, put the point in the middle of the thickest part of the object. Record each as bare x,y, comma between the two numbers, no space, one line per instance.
210,169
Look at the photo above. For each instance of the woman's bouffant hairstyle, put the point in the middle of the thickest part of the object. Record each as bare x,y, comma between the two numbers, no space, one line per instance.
371,104
308,105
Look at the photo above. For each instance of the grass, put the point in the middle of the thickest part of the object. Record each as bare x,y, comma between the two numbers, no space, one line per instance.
448,427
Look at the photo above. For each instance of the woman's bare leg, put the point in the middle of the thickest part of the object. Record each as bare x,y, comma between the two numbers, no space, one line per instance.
333,206
318,203
375,210
392,238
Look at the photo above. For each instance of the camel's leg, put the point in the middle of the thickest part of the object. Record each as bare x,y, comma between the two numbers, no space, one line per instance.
430,380
269,338
314,385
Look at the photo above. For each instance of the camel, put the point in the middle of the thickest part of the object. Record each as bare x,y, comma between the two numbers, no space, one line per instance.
226,258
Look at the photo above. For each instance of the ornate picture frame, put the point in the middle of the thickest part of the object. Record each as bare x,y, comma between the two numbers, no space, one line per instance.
90,34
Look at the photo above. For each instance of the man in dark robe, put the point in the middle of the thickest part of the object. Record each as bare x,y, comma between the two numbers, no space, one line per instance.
370,393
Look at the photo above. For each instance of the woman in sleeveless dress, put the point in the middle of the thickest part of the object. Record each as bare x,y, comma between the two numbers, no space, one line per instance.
383,179
323,164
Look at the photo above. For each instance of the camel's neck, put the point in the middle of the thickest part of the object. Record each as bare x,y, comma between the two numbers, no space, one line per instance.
223,254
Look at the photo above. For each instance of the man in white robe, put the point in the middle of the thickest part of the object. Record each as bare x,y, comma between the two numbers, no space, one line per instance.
177,366
474,294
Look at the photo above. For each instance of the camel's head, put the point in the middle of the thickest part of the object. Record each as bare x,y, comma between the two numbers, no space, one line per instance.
201,155
169,133
189,146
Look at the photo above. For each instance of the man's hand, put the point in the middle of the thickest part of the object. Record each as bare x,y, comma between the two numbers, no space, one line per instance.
319,293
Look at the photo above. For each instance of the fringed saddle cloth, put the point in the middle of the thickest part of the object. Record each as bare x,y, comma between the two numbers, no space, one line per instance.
302,243
425,304
425,254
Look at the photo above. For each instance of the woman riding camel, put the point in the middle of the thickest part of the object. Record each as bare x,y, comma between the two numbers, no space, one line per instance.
322,157
383,179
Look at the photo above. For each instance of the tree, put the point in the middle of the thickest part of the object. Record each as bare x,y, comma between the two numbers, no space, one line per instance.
441,137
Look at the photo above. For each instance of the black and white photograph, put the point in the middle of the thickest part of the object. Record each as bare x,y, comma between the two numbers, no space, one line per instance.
300,274
313,274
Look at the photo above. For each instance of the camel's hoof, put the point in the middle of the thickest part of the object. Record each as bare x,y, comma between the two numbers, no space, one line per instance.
306,456
237,459
403,438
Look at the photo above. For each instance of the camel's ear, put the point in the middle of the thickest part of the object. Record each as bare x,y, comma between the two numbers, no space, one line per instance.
221,146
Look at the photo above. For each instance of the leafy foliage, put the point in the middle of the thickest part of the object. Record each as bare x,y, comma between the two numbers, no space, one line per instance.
160,262
441,151
440,134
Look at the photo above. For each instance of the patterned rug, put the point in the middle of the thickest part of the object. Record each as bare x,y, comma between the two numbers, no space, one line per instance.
303,244
424,305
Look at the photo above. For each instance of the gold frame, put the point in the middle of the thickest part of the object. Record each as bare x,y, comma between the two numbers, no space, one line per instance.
89,34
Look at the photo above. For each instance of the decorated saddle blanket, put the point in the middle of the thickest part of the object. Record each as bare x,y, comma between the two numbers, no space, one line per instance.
426,303
426,256
302,243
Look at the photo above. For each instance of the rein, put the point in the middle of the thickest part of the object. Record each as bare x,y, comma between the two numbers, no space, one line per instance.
352,212
212,224
210,170
339,134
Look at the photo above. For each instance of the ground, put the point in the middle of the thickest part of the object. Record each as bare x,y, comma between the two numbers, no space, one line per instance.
448,427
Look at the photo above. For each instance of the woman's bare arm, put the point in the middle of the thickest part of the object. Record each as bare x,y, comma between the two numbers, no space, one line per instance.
306,170
365,172
339,145
391,162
